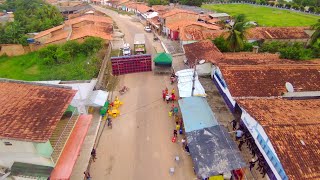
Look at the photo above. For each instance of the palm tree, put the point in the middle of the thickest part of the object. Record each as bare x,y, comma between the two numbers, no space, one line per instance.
316,35
237,31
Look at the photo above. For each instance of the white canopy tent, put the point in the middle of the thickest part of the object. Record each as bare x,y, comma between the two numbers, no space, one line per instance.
85,95
185,82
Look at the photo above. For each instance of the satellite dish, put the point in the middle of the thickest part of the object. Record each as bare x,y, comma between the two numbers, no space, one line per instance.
202,61
289,87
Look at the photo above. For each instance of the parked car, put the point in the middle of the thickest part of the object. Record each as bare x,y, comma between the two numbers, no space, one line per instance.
147,29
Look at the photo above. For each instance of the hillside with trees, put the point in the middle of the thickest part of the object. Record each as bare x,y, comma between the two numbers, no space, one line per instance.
29,16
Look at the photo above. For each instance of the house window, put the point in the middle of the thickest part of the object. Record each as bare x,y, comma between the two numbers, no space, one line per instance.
7,143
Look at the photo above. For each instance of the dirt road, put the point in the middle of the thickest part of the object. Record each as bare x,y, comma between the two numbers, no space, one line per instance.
139,146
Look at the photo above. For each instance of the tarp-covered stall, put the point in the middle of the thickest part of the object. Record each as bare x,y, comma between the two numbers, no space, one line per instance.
163,59
196,113
213,152
185,83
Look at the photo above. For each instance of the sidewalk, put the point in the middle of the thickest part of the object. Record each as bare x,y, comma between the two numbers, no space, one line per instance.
172,47
85,152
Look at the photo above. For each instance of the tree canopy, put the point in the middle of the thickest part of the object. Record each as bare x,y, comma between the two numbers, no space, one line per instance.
29,16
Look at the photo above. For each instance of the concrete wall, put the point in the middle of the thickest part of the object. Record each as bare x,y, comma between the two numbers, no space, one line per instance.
21,151
12,49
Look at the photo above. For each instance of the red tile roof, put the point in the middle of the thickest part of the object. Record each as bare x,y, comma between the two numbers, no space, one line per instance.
159,8
269,80
48,31
142,8
91,30
175,11
277,33
202,50
213,21
30,112
293,127
89,17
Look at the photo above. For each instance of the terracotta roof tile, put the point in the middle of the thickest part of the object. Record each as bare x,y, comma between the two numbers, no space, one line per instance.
202,50
48,31
175,11
269,80
31,112
142,8
277,33
89,17
213,21
289,124
158,8
92,30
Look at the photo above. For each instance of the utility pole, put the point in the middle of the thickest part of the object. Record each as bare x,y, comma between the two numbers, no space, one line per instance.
194,77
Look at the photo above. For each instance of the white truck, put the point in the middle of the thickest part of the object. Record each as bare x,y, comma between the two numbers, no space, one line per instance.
126,51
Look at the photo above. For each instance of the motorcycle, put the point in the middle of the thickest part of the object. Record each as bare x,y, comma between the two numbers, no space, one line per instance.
123,90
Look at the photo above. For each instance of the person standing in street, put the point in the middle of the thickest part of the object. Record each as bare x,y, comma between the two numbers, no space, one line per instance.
164,95
167,98
252,163
241,142
175,133
93,154
177,126
234,124
183,142
87,175
239,134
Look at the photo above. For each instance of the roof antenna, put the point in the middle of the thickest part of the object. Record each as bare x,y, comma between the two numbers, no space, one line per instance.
289,87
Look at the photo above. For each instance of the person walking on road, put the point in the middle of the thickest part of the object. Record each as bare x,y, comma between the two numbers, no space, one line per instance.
239,134
87,175
175,133
240,144
234,124
177,126
183,142
167,98
93,154
164,95
252,163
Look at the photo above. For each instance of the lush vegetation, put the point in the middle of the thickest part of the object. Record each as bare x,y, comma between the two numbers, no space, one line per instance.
266,16
296,51
70,61
223,46
29,16
158,2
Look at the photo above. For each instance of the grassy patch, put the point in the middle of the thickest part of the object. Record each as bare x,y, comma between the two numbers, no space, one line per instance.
28,67
266,16
115,52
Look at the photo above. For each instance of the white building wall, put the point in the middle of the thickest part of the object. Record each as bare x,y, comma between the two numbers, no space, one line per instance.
255,129
225,90
20,151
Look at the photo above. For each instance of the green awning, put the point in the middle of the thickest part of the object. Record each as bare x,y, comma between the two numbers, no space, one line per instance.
163,59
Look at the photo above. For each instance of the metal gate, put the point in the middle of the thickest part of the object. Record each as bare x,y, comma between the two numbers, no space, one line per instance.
131,64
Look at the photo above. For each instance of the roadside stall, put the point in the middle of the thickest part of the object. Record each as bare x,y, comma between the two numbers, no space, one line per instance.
212,150
185,83
162,63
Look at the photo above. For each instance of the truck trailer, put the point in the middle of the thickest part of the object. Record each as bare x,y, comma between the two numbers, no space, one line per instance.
139,46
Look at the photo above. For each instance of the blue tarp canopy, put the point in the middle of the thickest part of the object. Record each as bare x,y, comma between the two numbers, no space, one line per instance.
196,113
213,151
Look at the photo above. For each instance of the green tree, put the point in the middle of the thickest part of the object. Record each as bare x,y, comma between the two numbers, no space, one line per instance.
237,33
191,2
91,45
316,35
221,44
72,47
158,2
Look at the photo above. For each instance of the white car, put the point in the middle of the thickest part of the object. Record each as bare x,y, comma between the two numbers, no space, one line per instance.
147,29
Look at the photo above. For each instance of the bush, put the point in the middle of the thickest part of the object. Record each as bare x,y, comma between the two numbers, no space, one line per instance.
311,9
272,47
296,51
296,7
73,47
302,8
221,44
248,46
91,45
288,6
48,54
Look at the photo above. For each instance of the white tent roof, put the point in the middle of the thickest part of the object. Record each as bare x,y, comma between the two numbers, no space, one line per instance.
97,98
185,83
